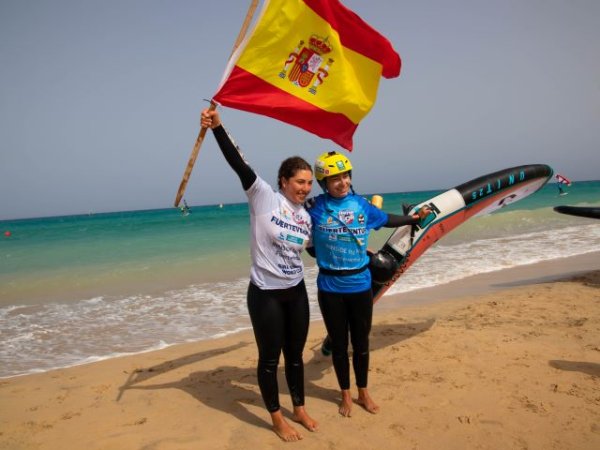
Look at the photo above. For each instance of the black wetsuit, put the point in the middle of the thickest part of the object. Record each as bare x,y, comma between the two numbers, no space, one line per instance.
280,317
280,320
350,312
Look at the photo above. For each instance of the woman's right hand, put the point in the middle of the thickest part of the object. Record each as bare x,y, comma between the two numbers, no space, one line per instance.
424,211
210,118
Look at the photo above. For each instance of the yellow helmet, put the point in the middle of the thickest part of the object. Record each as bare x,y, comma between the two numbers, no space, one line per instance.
331,163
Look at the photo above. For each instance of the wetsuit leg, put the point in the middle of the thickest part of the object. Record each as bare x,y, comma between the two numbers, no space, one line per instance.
297,317
360,317
280,321
266,315
335,316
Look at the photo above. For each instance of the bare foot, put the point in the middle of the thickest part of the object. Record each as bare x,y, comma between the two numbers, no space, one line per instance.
283,429
346,405
302,417
365,400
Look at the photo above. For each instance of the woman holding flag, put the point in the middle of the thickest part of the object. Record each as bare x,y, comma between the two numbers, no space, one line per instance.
277,298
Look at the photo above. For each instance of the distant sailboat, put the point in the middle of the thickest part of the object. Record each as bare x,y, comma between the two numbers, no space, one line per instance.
561,182
185,209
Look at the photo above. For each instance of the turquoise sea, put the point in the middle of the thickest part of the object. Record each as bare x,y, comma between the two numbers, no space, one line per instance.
77,289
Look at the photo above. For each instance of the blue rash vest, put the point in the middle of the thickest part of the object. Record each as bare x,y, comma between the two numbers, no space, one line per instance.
341,228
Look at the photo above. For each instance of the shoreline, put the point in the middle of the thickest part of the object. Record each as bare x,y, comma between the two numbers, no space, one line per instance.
515,367
479,284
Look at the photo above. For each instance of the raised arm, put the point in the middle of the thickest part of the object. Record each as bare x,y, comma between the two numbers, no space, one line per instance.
230,150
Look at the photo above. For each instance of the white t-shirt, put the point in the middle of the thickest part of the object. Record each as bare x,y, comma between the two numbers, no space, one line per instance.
280,230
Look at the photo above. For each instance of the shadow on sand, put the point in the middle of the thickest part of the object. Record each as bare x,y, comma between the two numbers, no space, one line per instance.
577,366
232,389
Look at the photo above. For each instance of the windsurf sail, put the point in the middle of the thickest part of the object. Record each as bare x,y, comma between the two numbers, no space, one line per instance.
561,179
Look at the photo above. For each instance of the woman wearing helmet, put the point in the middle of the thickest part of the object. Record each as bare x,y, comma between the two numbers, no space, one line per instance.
277,298
342,222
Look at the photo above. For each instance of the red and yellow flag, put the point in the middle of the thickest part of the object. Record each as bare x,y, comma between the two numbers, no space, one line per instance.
310,63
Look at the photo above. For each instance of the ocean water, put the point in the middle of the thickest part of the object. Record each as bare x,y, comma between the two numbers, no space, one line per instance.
78,289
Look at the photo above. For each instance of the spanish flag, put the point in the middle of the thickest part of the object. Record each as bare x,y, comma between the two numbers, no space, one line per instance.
310,63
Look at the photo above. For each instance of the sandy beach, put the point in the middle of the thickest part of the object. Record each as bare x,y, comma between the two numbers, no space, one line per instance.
507,360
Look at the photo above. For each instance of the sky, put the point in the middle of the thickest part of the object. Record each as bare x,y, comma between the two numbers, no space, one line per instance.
100,100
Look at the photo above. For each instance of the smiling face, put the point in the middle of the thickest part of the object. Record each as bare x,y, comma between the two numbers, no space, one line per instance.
339,185
298,186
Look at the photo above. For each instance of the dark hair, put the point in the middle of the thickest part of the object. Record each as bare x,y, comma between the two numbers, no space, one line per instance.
290,166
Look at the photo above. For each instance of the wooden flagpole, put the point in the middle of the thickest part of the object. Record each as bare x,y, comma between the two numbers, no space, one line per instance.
213,106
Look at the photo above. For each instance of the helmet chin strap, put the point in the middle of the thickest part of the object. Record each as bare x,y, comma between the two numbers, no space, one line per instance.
323,184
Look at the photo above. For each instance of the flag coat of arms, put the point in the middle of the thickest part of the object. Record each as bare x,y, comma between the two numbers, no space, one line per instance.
314,64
